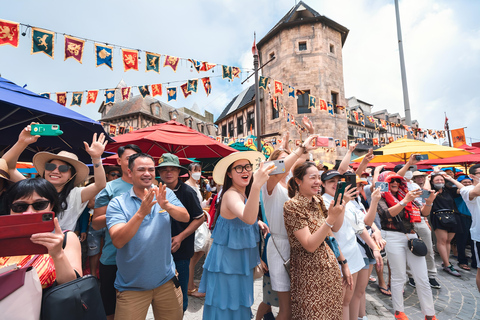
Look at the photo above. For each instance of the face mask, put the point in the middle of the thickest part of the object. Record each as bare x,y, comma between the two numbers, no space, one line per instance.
369,180
438,186
196,175
409,175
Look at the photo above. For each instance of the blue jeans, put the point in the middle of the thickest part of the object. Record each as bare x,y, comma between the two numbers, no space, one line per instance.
182,267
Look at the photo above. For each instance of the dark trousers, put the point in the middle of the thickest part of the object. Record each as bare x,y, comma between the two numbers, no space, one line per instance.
183,270
463,238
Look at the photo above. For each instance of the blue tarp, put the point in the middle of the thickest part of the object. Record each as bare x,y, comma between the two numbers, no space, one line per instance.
19,107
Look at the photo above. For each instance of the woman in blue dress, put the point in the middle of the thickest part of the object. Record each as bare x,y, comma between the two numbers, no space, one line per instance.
227,276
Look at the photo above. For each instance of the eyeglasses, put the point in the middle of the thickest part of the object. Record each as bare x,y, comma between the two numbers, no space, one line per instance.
114,174
20,207
240,168
396,180
52,166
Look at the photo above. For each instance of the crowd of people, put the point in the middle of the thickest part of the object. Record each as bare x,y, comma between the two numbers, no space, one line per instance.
144,229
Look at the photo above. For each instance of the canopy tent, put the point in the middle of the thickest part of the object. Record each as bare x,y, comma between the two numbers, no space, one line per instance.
401,150
19,107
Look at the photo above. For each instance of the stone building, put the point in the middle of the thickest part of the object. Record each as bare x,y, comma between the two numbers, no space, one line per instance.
305,49
138,112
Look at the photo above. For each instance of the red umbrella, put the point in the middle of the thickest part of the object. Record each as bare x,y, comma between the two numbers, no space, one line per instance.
175,138
112,160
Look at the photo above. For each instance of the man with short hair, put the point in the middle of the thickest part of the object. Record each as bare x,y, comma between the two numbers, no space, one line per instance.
108,264
471,196
140,228
465,218
183,234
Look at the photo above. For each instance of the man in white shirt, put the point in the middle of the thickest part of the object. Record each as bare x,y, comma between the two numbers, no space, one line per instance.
471,196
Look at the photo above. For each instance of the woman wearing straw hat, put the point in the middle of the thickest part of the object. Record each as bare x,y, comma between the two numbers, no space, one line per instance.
65,172
228,270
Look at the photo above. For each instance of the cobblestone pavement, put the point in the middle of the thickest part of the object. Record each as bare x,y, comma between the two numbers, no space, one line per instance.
457,299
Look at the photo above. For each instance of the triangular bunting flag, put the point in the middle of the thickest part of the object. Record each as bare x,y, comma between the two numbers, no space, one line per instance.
227,72
278,87
192,85
110,96
262,83
45,95
196,64
323,105
330,109
236,72
43,41
185,91
207,85
291,92
312,102
207,66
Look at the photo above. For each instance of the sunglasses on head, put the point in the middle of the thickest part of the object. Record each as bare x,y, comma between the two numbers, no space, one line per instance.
114,174
396,180
52,166
240,168
20,207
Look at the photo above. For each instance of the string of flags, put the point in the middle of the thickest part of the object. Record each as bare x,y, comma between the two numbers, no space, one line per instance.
43,41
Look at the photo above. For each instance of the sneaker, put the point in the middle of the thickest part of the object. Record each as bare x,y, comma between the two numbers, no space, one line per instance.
451,270
411,282
434,283
400,316
434,318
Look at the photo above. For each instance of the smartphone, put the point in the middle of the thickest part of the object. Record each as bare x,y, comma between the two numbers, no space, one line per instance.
350,180
321,142
382,185
45,130
279,164
378,153
421,157
341,185
16,230
425,194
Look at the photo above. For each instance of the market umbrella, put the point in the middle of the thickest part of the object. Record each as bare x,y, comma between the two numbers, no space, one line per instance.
19,107
401,149
175,138
112,160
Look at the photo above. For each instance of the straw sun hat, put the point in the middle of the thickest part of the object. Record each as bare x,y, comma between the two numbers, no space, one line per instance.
254,157
41,158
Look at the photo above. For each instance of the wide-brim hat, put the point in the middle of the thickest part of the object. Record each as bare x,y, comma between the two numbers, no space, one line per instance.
361,180
419,174
4,170
171,160
221,167
41,158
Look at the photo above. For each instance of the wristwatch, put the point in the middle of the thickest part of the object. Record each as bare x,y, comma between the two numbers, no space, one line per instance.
343,262
403,204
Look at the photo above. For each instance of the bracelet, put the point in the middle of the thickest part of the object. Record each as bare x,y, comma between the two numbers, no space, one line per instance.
403,204
297,153
343,262
429,205
328,224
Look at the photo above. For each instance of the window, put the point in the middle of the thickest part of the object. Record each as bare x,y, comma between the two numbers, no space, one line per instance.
201,128
271,55
302,103
350,132
275,113
240,125
224,130
190,123
332,48
302,46
230,129
157,110
250,121
334,99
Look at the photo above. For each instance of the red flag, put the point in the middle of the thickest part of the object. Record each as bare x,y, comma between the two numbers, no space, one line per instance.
446,122
113,129
185,91
323,105
126,93
254,48
130,59
278,87
458,137
121,130
156,90
375,141
172,62
207,85
9,33
219,139
344,143
62,98
236,72
130,129
207,66
92,96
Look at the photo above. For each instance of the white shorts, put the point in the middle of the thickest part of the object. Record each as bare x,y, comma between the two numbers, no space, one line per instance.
278,275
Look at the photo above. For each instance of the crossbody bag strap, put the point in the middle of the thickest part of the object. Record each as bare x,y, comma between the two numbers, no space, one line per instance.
29,263
271,236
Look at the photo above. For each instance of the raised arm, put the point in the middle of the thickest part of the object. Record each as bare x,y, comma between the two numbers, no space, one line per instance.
176,212
95,150
411,161
363,165
343,167
372,211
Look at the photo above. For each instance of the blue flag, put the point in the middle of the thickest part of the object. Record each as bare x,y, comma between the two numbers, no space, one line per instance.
103,55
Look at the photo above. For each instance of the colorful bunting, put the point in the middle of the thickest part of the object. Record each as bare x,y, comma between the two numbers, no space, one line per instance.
62,98
278,87
130,59
112,130
171,93
323,105
172,62
104,55
390,139
45,95
337,142
207,66
362,120
74,48
299,92
92,96
185,91
312,102
76,98
262,83
196,64
274,103
121,130
43,41
207,85
126,93
144,90
9,32
227,72
344,143
236,72
375,141
157,90
192,85
152,62
291,91
330,109
110,96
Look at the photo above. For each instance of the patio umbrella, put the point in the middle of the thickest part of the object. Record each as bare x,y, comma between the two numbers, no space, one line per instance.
401,149
19,107
112,160
175,138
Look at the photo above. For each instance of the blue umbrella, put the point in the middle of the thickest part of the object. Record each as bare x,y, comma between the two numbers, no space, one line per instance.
19,107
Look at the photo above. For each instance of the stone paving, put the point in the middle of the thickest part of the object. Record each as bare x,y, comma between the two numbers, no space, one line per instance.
457,299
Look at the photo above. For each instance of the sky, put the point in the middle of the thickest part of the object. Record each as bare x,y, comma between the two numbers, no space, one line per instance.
441,40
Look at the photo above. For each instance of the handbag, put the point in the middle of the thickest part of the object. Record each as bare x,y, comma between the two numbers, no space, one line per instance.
286,263
333,244
78,299
18,286
446,218
258,271
415,245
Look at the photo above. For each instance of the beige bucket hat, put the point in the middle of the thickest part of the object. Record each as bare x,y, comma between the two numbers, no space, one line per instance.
41,158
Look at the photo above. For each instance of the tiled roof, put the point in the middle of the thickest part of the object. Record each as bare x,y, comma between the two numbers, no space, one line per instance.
136,105
237,103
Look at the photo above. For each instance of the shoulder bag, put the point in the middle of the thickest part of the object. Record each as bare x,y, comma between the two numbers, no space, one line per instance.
415,245
446,217
286,263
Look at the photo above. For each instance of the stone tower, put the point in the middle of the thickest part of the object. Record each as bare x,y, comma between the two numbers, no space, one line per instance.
307,51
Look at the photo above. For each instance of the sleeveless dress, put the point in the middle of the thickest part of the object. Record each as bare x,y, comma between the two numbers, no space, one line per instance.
228,270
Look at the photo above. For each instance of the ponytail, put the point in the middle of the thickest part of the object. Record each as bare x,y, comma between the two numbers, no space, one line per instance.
292,187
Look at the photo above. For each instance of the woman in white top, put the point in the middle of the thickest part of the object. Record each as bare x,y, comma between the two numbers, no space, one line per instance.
274,196
65,172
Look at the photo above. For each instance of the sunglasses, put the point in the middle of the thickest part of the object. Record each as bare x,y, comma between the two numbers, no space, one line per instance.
114,174
20,207
396,180
240,168
52,166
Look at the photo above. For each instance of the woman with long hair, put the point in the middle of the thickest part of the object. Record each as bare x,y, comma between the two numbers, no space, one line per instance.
227,276
316,281
65,172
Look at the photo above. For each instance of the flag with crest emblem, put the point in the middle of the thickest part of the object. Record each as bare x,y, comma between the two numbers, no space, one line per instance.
172,62
172,93
144,90
62,98
130,59
291,91
192,85
92,96
312,102
74,48
43,41
185,91
227,72
152,62
236,72
207,85
103,55
157,90
9,32
262,83
126,93
278,87
110,96
76,99
323,105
